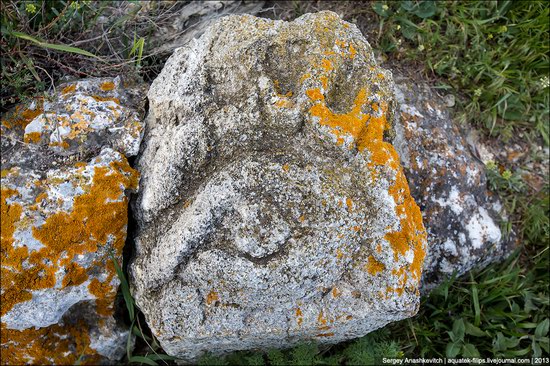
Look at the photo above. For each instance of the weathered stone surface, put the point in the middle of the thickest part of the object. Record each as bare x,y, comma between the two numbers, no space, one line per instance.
461,216
272,206
64,213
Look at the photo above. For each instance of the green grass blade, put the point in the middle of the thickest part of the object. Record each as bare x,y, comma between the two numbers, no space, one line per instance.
128,299
475,301
58,47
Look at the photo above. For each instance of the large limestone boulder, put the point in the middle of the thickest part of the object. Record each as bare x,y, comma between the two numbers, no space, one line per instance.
448,181
64,205
273,208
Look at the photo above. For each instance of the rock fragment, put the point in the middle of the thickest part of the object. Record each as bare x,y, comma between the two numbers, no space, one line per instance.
272,206
462,217
64,212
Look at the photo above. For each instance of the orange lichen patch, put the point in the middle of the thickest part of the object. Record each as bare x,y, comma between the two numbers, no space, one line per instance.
349,317
63,144
299,317
32,137
321,319
305,77
81,124
96,220
349,204
23,118
285,167
104,293
302,218
356,228
53,345
68,89
352,51
399,291
212,297
4,173
42,196
324,81
10,214
373,266
378,248
107,86
75,275
370,137
330,334
412,233
30,114
335,292
326,65
80,164
339,254
105,99
315,94
353,123
324,327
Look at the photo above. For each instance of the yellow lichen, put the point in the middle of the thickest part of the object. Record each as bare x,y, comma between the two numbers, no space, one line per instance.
321,319
68,89
42,196
299,317
349,204
74,275
368,133
53,345
22,117
107,86
99,98
212,297
98,217
373,266
352,51
33,137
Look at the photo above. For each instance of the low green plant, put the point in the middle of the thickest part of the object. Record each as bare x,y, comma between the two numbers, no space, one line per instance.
368,350
499,312
494,53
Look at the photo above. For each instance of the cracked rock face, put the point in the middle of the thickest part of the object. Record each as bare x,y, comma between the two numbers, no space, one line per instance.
64,205
461,216
272,207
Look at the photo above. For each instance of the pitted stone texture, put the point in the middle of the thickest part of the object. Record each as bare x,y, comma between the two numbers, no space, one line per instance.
461,216
272,206
64,216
